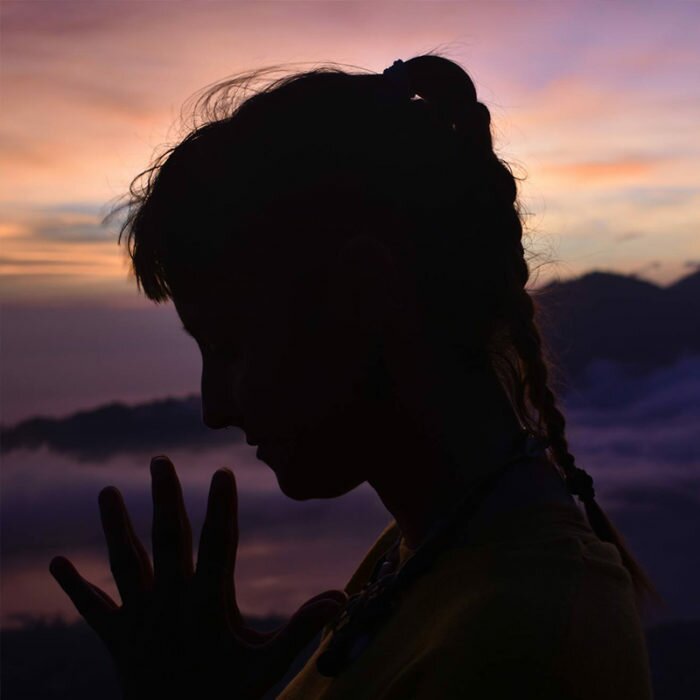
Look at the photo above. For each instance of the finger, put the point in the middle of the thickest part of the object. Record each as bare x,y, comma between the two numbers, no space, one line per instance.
142,553
306,623
94,605
128,560
216,557
106,598
218,544
172,536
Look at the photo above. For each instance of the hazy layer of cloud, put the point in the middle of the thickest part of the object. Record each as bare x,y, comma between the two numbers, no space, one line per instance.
75,231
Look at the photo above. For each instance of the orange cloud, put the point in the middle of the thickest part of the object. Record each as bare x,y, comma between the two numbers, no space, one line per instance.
624,169
60,243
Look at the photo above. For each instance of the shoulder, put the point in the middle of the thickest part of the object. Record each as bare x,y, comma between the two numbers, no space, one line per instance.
527,621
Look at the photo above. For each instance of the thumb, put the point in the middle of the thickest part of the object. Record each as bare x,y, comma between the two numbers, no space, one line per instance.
304,625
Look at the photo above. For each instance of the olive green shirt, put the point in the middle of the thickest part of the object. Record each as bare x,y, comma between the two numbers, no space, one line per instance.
532,606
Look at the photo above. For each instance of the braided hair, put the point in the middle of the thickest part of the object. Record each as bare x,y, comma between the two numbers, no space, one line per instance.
431,159
446,86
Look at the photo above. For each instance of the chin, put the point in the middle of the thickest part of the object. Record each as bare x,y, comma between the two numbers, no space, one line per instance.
302,490
297,491
302,478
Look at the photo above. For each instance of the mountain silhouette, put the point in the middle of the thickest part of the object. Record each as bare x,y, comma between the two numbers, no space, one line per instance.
97,433
625,320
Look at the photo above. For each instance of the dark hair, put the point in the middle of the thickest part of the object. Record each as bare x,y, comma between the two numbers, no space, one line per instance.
326,153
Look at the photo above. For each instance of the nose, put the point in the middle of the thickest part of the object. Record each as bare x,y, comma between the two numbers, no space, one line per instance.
219,406
216,419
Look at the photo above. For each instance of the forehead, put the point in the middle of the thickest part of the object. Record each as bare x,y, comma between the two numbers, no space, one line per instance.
250,298
257,278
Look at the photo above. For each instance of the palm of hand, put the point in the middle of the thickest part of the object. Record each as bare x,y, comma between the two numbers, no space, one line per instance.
179,632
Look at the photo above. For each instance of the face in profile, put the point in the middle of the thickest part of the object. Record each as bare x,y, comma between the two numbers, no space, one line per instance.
280,362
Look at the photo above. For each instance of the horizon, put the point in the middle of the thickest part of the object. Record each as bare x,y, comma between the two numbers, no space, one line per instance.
40,338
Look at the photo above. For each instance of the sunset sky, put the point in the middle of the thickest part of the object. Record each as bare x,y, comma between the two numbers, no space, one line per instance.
597,103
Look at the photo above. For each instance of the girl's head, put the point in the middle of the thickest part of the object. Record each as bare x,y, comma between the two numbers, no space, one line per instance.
290,226
345,248
260,226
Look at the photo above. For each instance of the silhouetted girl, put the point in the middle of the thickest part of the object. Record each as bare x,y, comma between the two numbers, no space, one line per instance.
345,249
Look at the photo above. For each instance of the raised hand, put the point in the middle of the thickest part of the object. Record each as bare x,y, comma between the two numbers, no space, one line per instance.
179,632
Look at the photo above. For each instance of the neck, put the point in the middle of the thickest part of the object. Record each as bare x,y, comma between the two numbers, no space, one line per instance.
429,473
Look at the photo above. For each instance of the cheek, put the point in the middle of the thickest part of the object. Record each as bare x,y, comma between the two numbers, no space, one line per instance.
317,389
301,383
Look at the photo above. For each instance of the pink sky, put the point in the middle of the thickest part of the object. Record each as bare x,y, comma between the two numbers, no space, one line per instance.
598,103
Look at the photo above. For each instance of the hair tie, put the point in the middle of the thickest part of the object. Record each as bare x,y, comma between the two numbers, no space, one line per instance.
580,483
398,82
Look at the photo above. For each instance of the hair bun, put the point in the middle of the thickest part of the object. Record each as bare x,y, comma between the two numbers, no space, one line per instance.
398,81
